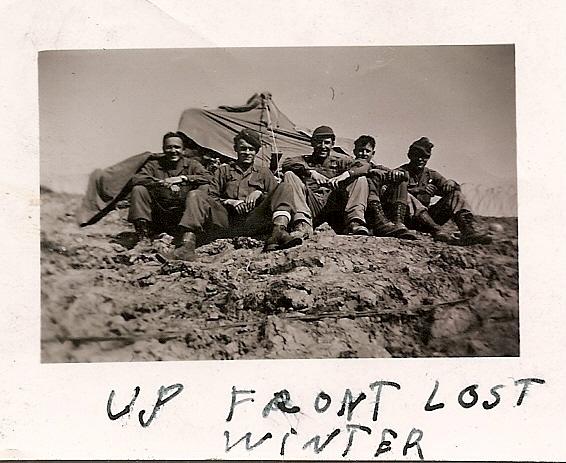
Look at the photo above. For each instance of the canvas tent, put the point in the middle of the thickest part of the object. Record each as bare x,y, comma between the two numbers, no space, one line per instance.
215,129
208,131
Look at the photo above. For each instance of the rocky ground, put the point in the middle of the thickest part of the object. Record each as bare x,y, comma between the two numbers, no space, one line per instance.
334,297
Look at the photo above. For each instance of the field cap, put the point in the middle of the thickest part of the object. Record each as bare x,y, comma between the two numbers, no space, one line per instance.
422,145
323,132
249,136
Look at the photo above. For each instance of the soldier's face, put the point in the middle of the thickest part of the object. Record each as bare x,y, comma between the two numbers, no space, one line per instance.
419,160
364,152
246,152
322,146
173,148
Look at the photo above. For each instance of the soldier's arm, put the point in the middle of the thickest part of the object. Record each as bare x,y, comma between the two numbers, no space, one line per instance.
379,171
217,182
414,188
348,168
197,175
297,165
146,176
269,181
357,167
442,183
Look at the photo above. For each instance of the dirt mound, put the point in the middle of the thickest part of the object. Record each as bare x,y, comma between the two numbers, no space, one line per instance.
335,296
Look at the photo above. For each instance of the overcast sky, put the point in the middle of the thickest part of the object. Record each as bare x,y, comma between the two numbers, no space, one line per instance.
99,107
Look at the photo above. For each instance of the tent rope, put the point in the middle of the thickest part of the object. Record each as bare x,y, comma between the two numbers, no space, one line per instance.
270,125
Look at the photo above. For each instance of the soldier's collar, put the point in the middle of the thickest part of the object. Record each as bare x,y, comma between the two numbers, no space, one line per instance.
252,168
312,159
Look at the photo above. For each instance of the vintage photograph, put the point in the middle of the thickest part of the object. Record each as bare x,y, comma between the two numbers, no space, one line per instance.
278,203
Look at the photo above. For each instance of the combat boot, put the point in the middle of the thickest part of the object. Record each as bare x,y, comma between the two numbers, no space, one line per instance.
468,234
185,246
142,232
399,215
357,227
379,223
281,239
427,224
302,229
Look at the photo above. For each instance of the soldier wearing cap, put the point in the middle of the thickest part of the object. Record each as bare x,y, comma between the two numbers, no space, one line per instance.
328,187
424,184
243,200
158,199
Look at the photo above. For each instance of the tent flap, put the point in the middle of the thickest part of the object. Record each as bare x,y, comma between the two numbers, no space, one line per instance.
215,129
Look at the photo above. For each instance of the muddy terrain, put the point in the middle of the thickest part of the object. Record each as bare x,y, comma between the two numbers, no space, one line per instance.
334,297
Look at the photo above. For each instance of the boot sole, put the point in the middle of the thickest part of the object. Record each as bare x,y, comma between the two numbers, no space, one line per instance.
297,241
407,236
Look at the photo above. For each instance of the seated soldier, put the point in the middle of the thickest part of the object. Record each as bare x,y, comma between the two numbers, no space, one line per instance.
387,193
425,183
209,160
243,200
328,187
158,200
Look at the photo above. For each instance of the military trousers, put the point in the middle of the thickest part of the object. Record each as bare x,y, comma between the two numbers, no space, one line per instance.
161,206
208,216
337,207
444,209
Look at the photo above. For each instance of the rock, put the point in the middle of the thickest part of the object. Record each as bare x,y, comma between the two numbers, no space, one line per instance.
297,298
367,297
452,321
232,348
214,316
477,347
496,227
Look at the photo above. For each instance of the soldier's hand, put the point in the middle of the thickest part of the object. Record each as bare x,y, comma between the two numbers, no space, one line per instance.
397,176
319,178
449,186
251,200
172,181
378,173
430,189
334,182
241,207
233,202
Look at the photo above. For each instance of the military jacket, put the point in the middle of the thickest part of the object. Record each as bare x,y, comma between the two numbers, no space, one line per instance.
155,170
418,181
331,166
232,182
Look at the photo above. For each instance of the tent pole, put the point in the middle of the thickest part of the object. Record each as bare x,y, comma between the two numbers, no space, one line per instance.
270,124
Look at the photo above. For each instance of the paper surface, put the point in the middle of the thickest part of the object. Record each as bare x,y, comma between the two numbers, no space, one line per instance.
59,411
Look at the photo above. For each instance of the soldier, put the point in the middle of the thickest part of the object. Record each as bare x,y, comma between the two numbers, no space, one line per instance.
425,183
158,200
387,190
243,200
328,187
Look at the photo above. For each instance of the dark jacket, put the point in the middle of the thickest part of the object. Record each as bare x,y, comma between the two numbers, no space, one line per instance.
155,170
418,182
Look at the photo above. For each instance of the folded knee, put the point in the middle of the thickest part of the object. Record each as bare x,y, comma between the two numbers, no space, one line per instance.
196,195
361,181
139,191
291,177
